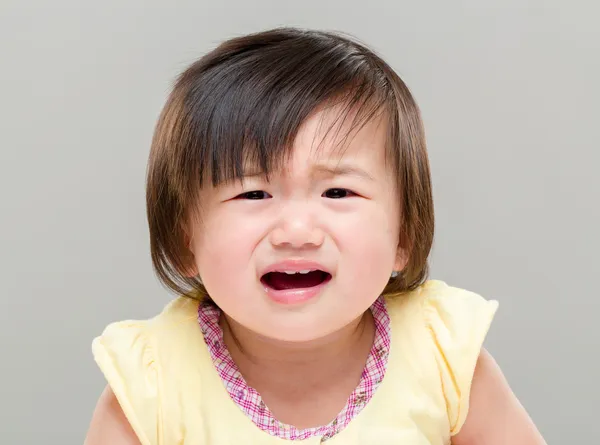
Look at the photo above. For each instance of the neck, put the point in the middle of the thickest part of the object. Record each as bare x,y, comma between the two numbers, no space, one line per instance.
310,364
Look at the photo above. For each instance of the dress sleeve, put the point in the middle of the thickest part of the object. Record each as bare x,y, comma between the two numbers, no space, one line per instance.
458,321
125,355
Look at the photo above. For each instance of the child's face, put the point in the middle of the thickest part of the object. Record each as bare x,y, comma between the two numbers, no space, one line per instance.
334,211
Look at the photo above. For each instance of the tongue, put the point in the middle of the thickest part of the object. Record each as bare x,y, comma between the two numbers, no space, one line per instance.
282,281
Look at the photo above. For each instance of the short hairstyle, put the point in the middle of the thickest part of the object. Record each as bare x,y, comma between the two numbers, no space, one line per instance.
245,100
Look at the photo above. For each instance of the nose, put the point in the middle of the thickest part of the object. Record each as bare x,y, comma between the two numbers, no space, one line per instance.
297,228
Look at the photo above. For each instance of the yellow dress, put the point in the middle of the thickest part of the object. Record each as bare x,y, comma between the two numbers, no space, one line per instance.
162,374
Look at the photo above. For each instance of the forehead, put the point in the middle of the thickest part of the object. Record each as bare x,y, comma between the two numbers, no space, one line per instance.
333,135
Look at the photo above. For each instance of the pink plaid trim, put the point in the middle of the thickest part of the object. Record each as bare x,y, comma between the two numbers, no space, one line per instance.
250,401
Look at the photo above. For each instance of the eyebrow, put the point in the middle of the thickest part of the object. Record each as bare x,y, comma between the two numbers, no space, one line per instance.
323,169
342,170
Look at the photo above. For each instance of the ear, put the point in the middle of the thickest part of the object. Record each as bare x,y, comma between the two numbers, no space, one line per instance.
401,259
402,253
191,269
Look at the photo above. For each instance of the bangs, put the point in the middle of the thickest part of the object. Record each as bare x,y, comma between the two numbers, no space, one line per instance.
246,108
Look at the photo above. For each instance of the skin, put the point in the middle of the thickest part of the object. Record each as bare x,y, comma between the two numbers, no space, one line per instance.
297,219
319,347
109,426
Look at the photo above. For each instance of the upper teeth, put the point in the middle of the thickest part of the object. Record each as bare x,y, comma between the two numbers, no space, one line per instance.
289,272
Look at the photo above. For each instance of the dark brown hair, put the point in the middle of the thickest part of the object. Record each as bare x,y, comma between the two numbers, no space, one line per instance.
246,100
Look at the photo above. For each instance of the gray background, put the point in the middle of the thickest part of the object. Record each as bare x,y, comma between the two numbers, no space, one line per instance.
510,97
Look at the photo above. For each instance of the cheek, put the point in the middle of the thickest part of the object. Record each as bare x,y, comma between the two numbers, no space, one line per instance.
368,244
224,250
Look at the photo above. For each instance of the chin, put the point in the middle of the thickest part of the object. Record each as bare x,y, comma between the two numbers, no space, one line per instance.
304,327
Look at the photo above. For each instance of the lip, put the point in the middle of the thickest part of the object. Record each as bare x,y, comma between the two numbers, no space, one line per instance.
294,266
295,296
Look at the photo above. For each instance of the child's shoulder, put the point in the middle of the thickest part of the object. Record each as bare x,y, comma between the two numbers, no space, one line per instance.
133,356
176,316
129,349
457,320
436,300
452,323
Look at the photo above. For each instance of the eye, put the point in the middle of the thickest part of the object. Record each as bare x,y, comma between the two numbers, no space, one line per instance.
254,195
338,193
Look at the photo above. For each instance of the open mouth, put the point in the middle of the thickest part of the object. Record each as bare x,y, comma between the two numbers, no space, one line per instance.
303,279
